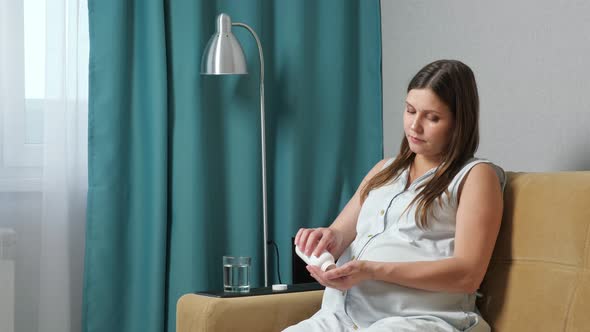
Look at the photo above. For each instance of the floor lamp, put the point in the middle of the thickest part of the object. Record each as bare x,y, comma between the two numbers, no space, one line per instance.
224,56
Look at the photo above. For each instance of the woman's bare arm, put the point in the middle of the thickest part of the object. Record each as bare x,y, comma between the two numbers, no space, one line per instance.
340,234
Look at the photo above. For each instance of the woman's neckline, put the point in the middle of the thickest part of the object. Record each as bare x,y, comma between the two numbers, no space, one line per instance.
409,182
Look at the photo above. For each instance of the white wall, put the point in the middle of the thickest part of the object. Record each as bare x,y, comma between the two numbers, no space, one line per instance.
532,63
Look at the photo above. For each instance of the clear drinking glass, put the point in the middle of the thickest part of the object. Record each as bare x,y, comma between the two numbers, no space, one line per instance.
236,274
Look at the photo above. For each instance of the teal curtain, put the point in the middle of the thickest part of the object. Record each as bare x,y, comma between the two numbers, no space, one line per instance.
174,157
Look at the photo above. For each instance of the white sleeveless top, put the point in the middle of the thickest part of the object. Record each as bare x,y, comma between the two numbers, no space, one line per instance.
385,234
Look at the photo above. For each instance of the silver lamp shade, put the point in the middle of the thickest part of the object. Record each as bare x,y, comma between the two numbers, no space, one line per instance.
223,54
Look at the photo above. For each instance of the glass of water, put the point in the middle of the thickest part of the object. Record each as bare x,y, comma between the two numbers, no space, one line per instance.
236,274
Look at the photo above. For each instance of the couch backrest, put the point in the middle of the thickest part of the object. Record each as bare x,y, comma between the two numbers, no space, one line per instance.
539,276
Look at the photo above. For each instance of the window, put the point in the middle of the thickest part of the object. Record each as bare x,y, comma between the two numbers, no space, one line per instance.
22,93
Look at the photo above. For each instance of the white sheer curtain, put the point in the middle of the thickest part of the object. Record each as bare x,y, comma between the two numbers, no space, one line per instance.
43,163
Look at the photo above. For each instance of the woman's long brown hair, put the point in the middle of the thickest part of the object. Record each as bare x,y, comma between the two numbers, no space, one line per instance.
454,84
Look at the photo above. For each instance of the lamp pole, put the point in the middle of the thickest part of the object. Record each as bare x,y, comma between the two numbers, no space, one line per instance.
263,148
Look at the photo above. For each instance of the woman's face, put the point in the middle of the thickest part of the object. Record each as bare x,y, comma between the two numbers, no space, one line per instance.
428,123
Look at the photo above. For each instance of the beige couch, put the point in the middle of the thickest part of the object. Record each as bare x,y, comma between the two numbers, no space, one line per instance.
538,280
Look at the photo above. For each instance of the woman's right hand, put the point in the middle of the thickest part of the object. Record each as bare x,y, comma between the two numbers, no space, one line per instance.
317,240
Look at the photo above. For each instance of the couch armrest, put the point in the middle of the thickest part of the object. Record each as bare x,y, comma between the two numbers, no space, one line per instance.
198,313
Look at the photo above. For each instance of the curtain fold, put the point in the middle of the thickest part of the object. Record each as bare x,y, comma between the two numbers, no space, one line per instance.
174,157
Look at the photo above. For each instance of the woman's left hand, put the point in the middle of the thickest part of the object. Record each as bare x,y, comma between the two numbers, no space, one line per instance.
343,277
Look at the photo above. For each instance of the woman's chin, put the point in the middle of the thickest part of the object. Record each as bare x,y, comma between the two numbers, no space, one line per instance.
416,149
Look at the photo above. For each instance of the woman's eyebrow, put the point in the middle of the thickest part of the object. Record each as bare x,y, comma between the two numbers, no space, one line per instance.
427,111
432,111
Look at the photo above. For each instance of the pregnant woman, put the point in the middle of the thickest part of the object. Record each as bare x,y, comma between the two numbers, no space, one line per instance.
414,242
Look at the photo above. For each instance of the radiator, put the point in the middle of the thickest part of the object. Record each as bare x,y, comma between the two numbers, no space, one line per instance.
7,254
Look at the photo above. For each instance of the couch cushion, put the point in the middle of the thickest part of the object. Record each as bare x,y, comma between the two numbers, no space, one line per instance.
538,279
264,313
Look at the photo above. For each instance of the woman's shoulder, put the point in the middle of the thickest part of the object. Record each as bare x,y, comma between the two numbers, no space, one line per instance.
381,165
386,162
478,170
484,168
378,167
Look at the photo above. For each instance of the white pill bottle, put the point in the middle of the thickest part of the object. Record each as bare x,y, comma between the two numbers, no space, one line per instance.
325,261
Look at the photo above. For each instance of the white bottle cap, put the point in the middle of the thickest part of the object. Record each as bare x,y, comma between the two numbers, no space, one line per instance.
279,287
328,266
